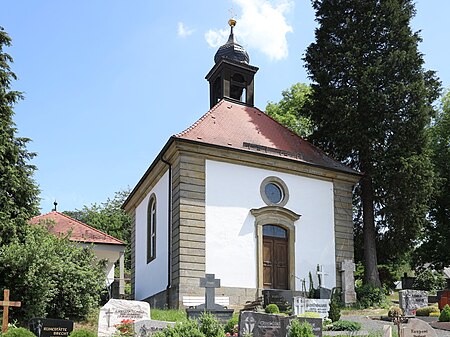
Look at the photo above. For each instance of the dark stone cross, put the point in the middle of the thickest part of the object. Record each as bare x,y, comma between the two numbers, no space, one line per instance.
6,303
210,283
108,316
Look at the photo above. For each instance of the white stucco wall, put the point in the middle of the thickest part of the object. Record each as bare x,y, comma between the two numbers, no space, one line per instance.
232,191
151,278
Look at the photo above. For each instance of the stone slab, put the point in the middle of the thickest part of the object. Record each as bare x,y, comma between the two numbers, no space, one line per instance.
284,299
48,327
115,311
147,328
267,325
417,328
411,300
320,306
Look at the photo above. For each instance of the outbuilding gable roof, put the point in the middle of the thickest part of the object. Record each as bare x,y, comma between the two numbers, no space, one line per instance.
234,125
79,231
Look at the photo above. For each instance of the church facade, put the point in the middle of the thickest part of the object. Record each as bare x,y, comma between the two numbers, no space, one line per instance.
240,196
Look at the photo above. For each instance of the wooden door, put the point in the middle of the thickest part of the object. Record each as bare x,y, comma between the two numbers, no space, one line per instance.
275,262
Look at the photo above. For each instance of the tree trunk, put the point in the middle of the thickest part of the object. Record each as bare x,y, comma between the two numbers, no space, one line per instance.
371,275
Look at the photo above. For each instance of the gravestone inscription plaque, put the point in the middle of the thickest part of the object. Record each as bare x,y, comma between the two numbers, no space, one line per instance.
284,299
417,328
116,311
48,327
266,325
148,327
411,300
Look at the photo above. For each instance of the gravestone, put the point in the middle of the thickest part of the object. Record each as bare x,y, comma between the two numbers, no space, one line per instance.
267,325
48,327
116,311
444,298
148,327
210,283
319,306
284,299
411,300
407,281
417,328
348,282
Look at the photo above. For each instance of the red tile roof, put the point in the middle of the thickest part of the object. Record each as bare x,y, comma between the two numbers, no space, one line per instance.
237,126
79,231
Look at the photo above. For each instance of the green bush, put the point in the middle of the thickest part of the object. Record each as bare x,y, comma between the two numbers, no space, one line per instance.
426,311
18,332
210,326
370,296
300,329
429,279
82,333
272,309
445,314
345,326
231,325
51,276
335,311
188,328
395,312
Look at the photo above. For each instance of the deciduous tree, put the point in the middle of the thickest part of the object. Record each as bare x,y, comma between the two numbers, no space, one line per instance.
371,101
288,111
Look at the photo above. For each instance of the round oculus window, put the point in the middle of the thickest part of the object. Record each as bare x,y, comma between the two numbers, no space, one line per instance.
274,193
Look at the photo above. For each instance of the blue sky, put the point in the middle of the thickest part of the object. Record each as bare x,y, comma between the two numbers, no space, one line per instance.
108,82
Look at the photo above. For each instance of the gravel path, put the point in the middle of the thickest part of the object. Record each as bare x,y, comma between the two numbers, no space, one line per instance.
369,324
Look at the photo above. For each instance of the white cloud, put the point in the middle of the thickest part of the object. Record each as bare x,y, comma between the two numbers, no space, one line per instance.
262,26
216,38
184,31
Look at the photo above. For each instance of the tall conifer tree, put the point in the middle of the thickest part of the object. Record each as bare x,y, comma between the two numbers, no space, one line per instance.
18,191
371,100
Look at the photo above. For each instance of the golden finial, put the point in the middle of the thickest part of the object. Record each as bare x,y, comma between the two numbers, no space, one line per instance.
232,21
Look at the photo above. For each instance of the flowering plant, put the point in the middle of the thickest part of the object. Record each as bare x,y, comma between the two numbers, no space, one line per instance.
125,328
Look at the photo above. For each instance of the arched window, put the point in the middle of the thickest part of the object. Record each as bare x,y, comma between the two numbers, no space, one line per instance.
151,229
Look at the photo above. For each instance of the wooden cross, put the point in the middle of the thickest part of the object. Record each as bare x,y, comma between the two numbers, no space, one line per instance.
6,304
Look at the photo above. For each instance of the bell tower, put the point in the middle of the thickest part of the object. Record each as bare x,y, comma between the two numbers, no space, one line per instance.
231,76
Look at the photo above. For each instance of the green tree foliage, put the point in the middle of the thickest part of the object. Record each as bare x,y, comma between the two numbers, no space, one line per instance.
50,275
18,191
110,218
435,243
288,111
371,101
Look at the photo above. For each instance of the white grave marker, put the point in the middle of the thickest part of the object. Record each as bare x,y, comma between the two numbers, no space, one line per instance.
116,311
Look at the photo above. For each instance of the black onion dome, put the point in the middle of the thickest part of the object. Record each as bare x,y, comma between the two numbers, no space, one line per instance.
232,50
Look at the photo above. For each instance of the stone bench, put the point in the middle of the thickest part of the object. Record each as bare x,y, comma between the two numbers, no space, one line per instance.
193,301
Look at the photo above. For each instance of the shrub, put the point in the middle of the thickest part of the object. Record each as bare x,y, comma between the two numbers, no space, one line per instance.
210,326
435,314
231,326
370,296
18,332
429,279
82,333
188,328
345,326
426,311
272,309
445,314
335,311
300,329
395,312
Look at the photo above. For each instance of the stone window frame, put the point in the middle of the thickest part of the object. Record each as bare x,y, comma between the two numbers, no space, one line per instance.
151,228
284,218
278,182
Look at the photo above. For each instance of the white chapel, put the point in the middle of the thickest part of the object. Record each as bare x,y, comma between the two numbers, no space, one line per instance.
239,196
